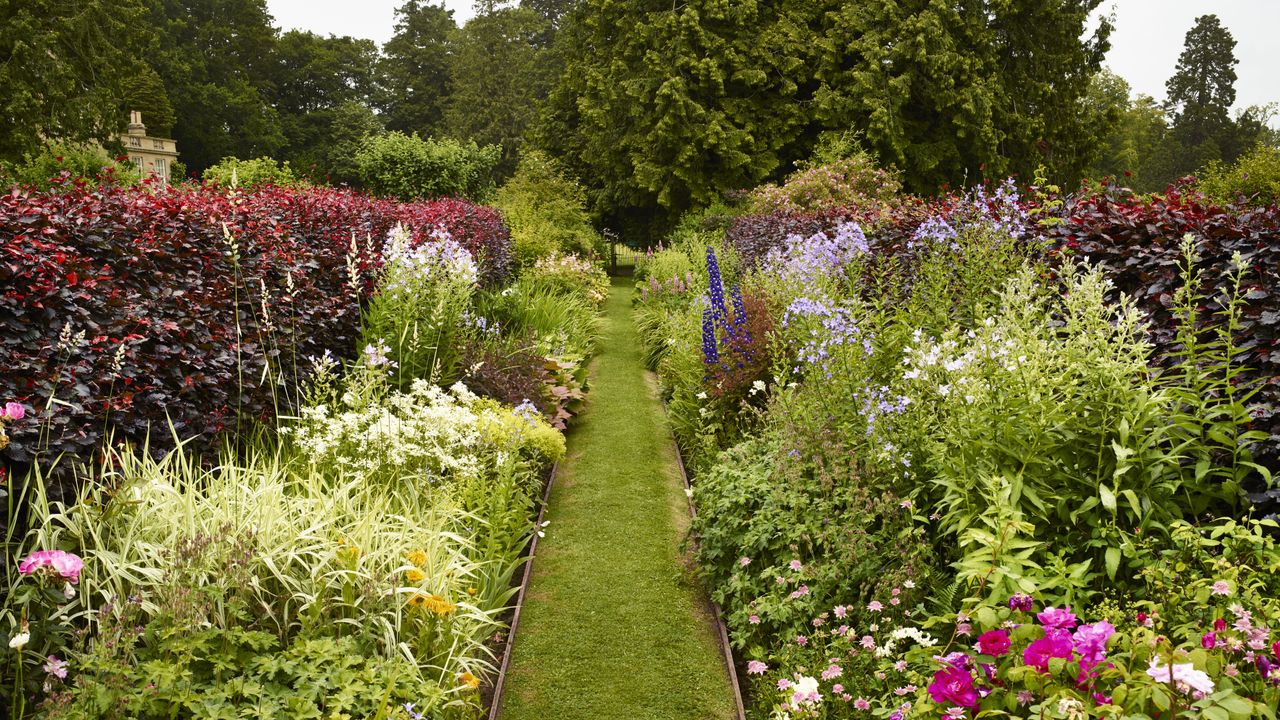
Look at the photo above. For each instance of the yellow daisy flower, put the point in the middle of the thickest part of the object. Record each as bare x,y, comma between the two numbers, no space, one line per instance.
469,680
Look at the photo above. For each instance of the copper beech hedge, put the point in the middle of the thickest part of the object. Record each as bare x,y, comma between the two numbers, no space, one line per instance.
125,311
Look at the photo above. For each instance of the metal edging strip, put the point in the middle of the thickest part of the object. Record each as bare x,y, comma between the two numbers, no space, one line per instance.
496,703
723,629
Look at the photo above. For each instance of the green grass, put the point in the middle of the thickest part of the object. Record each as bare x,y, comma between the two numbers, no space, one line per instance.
614,624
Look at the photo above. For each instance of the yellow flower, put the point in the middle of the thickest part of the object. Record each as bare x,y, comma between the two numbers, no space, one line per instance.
472,591
439,605
418,600
469,680
418,558
414,575
348,553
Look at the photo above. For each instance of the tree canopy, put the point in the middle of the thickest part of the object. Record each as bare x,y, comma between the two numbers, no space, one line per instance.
64,70
414,70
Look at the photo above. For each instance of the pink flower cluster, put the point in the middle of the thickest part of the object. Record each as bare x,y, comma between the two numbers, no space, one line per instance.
63,564
13,411
955,684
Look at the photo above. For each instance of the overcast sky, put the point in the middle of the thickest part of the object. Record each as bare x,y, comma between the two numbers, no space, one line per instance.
1144,46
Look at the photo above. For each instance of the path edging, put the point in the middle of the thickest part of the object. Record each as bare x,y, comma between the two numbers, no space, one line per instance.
723,630
495,704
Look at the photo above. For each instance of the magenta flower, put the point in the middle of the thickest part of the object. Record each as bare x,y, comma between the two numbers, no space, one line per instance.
953,685
1020,602
755,667
1209,641
1056,643
13,411
994,643
1057,618
63,564
1091,643
1219,625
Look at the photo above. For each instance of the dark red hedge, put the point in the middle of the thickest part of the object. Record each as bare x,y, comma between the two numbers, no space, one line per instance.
171,319
1137,241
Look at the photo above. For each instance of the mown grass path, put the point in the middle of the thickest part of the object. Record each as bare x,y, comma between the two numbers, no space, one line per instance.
614,626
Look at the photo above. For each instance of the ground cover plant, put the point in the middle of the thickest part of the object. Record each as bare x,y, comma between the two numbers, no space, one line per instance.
351,551
956,472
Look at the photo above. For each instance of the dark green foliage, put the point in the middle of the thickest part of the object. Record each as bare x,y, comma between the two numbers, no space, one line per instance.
414,72
145,93
499,74
216,59
63,70
1137,149
949,92
342,130
321,87
669,107
409,167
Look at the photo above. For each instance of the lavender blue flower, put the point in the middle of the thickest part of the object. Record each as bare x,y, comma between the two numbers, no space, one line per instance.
824,254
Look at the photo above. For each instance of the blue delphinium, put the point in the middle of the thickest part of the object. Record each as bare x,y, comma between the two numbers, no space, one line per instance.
710,346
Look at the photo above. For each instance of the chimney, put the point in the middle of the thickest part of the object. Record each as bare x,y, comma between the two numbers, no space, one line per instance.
135,123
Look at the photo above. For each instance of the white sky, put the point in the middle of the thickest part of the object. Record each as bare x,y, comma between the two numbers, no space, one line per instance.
1145,45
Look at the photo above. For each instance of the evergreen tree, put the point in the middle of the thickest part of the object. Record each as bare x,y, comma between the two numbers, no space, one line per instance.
953,91
64,69
665,107
414,71
144,92
1202,90
499,75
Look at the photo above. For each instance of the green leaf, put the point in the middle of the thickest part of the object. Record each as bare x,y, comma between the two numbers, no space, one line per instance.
1113,561
1108,498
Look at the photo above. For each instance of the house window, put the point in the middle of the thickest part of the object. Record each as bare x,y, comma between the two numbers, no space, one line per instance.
162,170
138,162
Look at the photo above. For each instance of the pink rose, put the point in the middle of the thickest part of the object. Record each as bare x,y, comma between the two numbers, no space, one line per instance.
994,643
66,565
1056,643
953,685
14,411
1057,618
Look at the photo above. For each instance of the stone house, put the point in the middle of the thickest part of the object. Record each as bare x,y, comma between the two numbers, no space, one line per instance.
150,155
